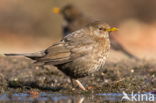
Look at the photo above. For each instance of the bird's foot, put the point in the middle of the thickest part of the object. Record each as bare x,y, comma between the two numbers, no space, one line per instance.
80,85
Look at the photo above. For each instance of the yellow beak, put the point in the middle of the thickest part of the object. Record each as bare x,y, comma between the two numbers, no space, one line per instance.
112,29
56,10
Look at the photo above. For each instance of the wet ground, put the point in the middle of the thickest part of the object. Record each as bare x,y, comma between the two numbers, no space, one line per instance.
21,80
49,97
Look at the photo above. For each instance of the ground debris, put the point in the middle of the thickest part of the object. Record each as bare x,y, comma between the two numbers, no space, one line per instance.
125,75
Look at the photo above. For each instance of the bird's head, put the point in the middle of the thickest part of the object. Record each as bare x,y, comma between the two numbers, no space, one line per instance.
101,29
69,12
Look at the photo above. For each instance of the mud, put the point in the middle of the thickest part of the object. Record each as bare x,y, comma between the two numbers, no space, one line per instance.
21,75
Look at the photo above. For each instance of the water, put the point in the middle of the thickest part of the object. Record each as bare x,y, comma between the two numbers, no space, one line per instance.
46,97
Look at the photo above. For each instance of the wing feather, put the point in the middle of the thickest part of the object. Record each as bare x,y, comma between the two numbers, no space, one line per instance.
72,47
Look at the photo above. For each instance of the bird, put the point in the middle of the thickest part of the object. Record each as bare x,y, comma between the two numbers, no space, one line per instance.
74,19
78,54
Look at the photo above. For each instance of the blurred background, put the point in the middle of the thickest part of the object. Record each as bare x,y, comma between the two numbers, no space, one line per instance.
30,25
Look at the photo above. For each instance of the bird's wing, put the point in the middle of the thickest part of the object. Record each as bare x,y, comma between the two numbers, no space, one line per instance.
70,48
56,54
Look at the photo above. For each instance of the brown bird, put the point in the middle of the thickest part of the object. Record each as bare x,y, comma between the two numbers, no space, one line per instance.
78,54
74,20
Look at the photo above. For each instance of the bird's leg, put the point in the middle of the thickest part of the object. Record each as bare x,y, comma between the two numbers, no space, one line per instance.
80,85
81,100
72,82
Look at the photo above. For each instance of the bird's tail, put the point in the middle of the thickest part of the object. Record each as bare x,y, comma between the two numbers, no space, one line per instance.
117,46
129,54
33,56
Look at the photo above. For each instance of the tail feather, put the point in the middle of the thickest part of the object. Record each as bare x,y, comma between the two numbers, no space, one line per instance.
117,46
14,54
129,54
29,55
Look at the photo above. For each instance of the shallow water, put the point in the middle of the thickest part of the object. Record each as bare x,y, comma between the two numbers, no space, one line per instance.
45,97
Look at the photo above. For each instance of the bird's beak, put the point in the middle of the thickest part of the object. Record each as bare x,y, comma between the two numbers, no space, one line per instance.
112,29
56,10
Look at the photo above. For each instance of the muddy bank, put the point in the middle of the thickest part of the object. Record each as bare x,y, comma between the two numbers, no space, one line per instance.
19,74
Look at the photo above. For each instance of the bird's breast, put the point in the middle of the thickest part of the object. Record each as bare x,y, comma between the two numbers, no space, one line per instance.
100,53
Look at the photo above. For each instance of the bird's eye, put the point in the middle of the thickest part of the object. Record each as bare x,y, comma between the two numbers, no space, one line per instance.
103,29
100,28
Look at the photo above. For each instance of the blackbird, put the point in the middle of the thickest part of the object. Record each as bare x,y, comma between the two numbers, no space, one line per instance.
79,53
74,20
